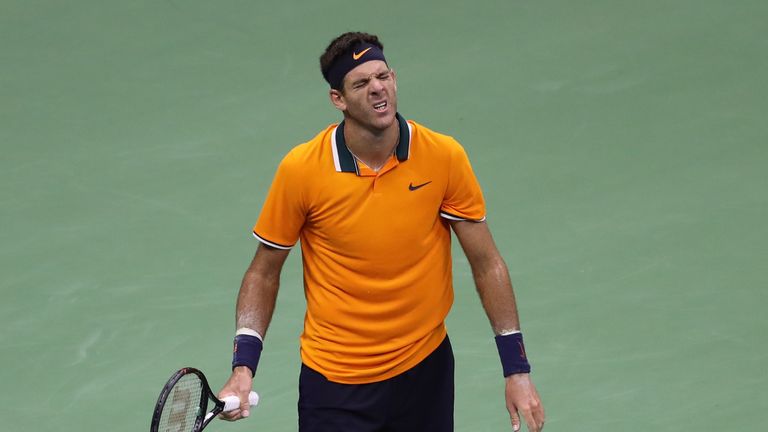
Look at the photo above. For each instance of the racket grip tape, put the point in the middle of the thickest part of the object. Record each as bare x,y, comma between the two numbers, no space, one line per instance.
233,402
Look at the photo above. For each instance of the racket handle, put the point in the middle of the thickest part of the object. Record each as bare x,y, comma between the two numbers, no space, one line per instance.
233,402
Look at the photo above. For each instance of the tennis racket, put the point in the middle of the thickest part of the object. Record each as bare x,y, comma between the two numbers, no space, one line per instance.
183,403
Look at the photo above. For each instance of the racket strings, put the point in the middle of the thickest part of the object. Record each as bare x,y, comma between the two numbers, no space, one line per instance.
182,407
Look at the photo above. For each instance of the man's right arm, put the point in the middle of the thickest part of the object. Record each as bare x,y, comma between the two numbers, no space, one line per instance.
255,305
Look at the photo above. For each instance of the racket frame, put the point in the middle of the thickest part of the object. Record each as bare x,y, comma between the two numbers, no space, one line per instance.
202,418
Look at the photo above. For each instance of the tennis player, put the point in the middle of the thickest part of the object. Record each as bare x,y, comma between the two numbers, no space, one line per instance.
373,200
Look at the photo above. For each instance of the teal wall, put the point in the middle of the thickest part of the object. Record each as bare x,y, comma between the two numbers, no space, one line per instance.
622,147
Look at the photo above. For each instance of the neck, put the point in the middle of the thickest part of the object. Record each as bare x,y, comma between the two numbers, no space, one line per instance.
372,147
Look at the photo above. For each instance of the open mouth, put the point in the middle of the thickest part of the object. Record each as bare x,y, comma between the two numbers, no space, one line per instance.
380,107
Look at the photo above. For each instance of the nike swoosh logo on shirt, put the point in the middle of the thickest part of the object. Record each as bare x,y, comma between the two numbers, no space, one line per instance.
412,188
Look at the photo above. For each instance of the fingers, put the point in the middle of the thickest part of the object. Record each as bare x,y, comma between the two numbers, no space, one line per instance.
533,415
533,424
523,400
533,420
231,415
245,407
515,420
537,410
239,384
236,407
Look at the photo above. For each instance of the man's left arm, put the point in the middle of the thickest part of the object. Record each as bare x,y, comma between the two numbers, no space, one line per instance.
495,290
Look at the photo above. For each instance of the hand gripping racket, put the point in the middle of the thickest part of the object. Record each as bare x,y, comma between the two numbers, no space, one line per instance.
183,403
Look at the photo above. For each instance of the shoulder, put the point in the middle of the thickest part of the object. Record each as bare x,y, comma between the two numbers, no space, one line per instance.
428,139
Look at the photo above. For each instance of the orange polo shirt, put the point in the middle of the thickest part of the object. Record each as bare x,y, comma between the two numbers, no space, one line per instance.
376,247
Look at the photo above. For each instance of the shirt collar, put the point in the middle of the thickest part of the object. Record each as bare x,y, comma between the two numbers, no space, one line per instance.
345,162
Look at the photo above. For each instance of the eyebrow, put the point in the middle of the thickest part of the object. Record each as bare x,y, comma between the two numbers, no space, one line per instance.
368,77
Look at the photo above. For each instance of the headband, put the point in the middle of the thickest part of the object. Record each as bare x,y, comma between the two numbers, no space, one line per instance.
361,53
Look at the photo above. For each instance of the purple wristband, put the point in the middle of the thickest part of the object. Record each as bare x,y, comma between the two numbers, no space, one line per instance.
512,354
247,352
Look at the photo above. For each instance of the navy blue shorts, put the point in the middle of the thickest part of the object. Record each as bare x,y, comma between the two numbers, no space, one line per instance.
420,399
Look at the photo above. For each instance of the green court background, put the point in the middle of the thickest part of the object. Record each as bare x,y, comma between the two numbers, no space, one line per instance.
621,146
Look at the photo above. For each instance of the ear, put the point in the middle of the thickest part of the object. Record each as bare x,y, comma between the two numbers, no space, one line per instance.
337,99
394,78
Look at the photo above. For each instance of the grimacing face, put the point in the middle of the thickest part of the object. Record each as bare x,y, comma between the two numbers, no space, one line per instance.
370,95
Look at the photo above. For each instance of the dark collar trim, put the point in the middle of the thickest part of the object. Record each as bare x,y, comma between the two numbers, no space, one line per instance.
345,162
403,150
342,157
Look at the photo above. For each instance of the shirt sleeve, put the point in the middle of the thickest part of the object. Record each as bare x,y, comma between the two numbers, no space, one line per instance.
284,210
463,197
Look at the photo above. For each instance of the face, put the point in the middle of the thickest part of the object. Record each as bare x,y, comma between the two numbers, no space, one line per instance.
370,95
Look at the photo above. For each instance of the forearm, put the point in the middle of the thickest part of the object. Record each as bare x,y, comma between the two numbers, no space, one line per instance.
256,302
258,290
496,294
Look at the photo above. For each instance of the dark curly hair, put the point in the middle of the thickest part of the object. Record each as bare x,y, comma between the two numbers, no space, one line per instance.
343,45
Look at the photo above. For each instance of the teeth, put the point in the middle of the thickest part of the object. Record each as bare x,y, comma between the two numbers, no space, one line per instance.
380,105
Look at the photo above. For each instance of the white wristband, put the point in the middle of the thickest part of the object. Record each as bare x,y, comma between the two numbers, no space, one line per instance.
249,332
509,332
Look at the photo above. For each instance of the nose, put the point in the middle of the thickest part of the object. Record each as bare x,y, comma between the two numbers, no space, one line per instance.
376,86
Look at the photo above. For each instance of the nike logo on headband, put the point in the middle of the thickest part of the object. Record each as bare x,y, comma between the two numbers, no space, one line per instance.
357,56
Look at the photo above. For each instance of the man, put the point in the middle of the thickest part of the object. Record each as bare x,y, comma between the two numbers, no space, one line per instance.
373,200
